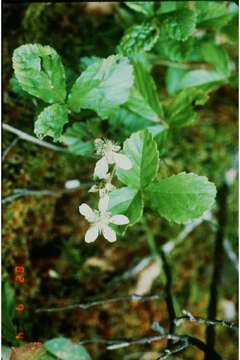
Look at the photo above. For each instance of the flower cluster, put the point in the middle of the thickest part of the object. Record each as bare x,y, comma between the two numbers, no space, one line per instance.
101,218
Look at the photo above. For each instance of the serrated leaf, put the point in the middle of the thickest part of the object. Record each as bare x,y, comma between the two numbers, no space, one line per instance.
173,50
181,197
169,6
86,61
103,86
147,87
74,137
141,149
31,351
140,106
180,111
50,122
179,25
173,77
199,78
40,72
212,14
65,349
216,56
144,7
160,135
138,38
126,201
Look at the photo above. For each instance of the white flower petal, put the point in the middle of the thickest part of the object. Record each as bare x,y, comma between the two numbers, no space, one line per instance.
87,212
101,168
109,233
122,161
103,203
119,220
92,234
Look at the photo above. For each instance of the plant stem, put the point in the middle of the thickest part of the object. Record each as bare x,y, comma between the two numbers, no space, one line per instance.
152,244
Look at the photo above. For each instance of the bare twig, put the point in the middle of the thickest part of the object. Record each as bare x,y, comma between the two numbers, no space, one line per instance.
230,253
218,264
114,344
18,193
187,316
9,148
87,305
32,139
181,345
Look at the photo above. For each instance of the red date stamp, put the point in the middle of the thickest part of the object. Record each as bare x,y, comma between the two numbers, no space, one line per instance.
19,277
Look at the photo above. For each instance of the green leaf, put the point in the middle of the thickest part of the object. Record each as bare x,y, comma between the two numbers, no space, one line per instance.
216,56
50,122
65,349
40,72
179,25
173,50
141,149
173,77
144,7
126,201
169,6
213,14
86,61
140,106
160,135
180,111
181,197
73,138
178,79
146,86
199,78
8,307
6,352
103,86
138,38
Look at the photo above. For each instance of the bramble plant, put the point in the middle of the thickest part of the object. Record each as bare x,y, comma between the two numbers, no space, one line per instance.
113,114
103,87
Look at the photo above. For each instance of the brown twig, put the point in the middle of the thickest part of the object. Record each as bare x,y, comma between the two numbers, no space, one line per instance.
187,316
89,304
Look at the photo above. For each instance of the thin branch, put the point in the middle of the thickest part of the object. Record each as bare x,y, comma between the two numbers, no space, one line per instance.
190,317
18,193
218,264
230,253
87,305
9,148
114,344
168,289
32,139
181,345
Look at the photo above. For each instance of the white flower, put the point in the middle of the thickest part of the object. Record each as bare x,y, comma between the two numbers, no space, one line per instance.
99,221
109,153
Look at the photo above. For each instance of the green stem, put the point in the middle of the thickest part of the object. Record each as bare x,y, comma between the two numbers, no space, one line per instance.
152,244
